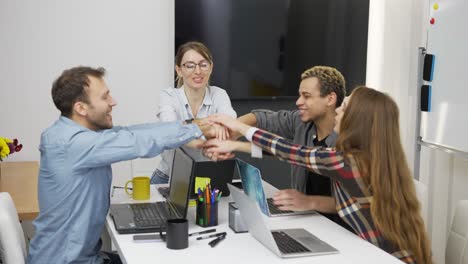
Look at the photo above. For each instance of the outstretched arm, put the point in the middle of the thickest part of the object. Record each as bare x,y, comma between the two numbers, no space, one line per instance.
327,162
225,146
291,199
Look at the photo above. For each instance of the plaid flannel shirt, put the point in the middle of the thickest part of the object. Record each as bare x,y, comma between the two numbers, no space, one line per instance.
352,195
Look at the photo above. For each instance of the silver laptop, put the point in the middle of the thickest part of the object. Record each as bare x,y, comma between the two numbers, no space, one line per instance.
252,184
285,243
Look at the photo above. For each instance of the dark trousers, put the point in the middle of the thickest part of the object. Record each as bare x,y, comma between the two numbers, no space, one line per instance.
110,258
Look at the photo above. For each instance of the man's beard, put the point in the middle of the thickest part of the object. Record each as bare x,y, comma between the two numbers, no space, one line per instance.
101,123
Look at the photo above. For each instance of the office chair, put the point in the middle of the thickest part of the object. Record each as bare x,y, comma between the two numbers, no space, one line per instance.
456,251
12,243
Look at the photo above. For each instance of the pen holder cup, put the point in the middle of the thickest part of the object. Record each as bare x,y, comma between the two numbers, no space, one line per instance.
207,214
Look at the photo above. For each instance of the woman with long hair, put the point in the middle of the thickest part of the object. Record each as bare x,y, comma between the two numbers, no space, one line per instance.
193,98
372,183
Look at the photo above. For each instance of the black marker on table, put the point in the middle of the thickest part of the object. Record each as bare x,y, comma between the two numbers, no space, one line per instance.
213,235
216,241
203,232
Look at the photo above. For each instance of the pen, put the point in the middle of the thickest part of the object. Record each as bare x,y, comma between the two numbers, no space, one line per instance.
216,241
203,232
199,193
119,187
212,235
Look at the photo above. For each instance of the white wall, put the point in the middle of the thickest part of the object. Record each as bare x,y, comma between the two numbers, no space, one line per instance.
133,40
396,29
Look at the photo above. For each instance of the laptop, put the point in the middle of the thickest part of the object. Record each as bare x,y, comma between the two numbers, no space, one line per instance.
149,217
285,243
252,184
218,173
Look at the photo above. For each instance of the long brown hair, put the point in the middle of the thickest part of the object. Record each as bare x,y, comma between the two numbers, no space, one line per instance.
192,45
370,133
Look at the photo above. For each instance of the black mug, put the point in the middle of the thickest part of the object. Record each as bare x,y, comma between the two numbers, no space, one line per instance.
176,236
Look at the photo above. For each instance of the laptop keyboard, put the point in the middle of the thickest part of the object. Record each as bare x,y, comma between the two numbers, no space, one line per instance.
274,210
149,214
287,244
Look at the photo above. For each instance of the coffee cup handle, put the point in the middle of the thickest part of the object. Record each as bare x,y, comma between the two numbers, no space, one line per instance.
126,187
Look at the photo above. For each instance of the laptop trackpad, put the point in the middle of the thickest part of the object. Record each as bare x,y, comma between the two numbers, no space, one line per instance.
314,244
308,240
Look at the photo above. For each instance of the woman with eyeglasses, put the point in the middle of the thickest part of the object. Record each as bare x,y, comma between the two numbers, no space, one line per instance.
193,98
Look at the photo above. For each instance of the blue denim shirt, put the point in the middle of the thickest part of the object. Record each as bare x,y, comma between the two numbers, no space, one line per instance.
75,179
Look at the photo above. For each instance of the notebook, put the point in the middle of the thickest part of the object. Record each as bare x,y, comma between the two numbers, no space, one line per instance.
285,243
133,218
252,184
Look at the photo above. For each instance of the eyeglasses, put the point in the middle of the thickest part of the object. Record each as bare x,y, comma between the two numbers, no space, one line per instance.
191,66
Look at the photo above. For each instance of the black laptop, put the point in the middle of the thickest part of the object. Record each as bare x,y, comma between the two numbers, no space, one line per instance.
149,217
219,172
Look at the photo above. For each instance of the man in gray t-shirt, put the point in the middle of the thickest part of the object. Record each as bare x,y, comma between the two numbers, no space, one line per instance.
321,91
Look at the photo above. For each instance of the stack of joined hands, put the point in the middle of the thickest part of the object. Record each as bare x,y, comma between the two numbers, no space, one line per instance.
223,132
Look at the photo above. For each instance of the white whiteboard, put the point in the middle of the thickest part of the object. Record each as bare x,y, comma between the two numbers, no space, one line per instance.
447,123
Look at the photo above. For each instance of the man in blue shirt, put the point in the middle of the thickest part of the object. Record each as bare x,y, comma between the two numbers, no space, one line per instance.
76,156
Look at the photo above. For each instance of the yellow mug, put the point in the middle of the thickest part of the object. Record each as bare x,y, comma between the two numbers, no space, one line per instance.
140,186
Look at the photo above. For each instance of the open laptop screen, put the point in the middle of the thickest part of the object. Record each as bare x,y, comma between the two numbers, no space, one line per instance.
252,184
180,181
218,173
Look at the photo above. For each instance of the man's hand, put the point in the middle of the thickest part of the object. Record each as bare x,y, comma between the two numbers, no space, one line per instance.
291,199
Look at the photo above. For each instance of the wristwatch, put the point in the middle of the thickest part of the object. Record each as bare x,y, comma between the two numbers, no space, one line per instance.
188,121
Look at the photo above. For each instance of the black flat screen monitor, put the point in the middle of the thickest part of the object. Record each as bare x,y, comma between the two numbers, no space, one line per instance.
261,47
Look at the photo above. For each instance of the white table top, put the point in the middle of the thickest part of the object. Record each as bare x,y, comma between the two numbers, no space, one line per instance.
243,248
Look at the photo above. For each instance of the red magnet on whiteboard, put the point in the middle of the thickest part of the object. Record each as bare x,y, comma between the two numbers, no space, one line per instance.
432,21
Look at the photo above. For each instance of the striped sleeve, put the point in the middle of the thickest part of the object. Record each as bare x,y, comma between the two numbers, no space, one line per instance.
324,161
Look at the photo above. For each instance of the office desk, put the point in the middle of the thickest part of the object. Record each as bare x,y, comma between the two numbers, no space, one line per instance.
19,179
243,248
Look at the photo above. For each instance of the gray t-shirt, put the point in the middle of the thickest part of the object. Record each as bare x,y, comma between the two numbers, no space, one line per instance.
288,124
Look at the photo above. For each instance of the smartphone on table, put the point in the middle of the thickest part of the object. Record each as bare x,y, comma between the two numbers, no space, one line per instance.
147,238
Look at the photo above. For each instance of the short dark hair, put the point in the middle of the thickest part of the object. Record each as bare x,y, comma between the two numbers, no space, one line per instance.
331,80
69,87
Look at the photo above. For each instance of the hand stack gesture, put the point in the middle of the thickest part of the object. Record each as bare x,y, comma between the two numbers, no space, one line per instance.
222,132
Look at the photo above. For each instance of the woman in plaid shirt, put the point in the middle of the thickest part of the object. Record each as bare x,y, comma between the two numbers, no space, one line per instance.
372,184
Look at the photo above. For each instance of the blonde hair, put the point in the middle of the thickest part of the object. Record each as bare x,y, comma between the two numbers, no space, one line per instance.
192,45
370,133
330,79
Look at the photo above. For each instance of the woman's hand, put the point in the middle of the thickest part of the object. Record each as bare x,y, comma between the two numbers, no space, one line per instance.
218,156
210,147
221,132
211,129
222,148
219,146
230,122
